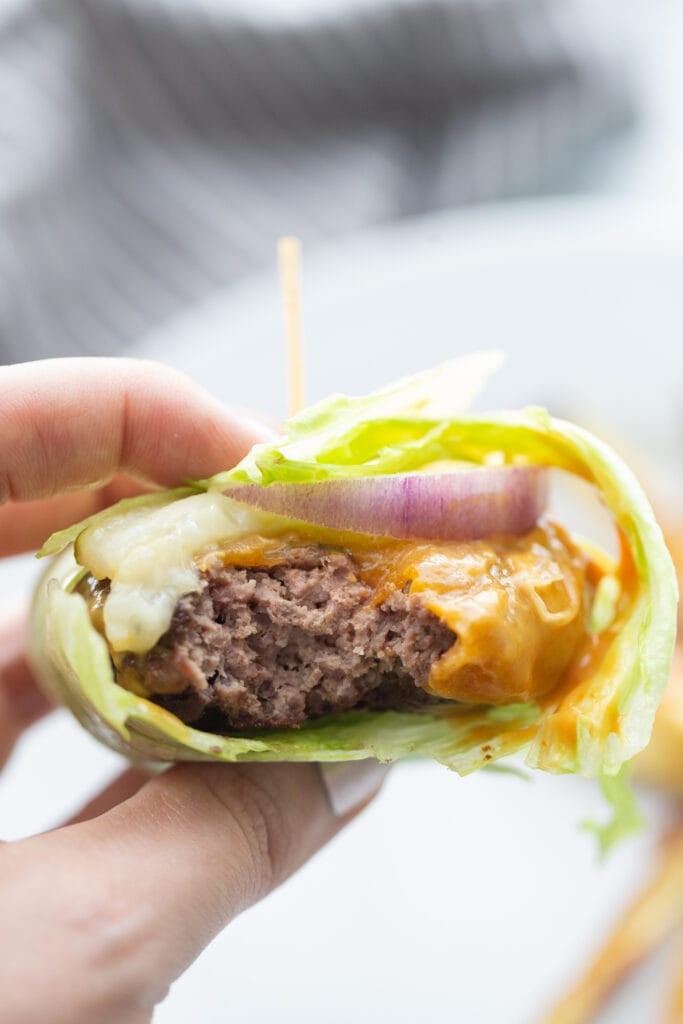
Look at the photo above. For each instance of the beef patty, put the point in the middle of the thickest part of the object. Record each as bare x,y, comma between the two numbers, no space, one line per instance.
274,646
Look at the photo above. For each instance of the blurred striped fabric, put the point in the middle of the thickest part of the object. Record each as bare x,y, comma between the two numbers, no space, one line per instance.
152,150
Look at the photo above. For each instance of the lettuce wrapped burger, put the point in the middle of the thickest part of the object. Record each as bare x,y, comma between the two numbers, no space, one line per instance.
382,581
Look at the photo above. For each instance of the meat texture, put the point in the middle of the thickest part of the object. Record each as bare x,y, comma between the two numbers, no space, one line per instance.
277,645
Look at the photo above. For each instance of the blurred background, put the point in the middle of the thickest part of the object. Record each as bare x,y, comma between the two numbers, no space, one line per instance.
463,174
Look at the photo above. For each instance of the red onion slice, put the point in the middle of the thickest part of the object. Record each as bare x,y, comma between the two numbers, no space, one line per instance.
462,505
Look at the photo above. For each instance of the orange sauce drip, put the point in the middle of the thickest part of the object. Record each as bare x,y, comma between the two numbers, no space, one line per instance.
595,650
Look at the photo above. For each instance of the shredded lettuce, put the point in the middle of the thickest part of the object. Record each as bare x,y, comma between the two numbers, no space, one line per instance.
593,731
625,819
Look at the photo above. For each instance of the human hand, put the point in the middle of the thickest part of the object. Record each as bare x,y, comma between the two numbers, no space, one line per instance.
100,916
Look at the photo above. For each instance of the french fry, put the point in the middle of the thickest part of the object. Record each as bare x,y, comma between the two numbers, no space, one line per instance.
675,1008
673,533
654,915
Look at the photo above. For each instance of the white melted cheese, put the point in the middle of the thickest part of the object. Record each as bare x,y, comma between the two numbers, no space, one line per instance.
148,554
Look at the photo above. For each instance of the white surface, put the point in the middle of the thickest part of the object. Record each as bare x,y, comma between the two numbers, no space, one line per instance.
471,900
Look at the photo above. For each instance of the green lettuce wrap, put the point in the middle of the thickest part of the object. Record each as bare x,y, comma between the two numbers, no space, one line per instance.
595,722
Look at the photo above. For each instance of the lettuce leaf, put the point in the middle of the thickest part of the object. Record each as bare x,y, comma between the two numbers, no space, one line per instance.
447,390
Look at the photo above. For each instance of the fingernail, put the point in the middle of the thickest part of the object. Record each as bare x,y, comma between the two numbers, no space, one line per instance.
350,784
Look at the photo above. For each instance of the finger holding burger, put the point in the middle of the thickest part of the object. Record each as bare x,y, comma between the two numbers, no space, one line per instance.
99,917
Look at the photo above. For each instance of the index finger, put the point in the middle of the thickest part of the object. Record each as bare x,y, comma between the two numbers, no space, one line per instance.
21,701
70,423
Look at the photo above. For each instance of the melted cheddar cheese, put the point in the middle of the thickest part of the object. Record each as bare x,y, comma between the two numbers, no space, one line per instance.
517,606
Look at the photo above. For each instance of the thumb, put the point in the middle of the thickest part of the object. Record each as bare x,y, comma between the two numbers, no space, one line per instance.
143,888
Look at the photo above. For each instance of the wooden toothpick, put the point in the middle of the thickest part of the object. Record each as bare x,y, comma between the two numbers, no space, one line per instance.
289,255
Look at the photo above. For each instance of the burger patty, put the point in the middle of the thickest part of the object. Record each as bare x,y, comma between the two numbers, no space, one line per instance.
274,646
